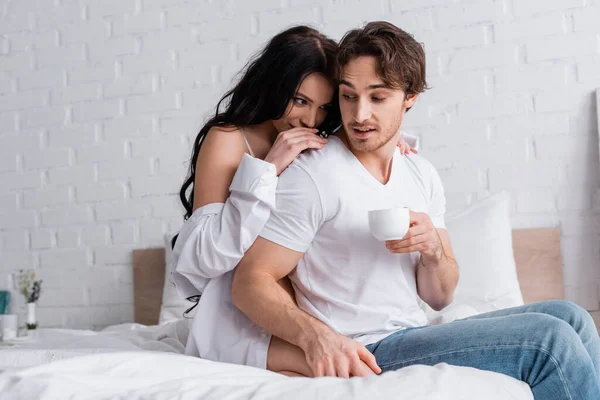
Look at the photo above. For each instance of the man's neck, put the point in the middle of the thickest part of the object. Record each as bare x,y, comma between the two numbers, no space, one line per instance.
377,162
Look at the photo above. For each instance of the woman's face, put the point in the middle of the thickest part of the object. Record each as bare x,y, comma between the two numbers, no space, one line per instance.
309,106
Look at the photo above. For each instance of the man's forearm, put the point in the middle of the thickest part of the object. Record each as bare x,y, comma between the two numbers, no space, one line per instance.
269,306
436,280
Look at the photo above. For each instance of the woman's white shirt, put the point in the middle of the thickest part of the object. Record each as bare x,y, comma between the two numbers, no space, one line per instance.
216,236
210,245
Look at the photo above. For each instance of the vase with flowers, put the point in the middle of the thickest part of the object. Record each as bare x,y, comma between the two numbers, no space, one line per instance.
31,289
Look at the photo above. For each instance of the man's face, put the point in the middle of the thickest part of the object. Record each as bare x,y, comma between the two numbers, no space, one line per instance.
372,112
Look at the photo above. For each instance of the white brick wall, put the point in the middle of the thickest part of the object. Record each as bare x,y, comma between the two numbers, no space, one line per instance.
99,102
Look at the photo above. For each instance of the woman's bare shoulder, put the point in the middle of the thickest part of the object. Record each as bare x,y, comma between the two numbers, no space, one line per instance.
219,158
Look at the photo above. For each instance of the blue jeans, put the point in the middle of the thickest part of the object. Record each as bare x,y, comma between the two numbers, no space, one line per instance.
553,346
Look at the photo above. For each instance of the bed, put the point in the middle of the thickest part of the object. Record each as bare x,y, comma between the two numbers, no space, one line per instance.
144,360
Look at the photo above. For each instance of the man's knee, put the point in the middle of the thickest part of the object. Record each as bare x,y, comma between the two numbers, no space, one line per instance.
570,312
566,305
549,331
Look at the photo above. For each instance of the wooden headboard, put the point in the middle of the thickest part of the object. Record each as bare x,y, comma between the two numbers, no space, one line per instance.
537,255
539,263
148,282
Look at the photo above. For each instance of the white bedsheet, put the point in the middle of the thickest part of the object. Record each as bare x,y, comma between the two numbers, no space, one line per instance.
57,344
132,361
154,375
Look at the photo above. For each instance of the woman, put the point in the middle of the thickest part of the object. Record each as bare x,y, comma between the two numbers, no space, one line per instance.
284,94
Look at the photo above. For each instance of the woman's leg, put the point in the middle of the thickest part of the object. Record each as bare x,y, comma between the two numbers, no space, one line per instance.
284,357
291,374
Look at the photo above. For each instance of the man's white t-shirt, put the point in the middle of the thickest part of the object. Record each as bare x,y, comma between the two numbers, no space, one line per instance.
346,278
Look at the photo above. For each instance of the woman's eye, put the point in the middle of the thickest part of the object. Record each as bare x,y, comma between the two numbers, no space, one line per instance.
348,97
326,107
299,101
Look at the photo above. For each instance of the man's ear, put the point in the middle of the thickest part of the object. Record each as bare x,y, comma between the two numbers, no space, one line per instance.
410,100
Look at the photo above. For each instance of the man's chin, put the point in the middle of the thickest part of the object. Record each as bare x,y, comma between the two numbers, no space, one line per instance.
370,144
364,145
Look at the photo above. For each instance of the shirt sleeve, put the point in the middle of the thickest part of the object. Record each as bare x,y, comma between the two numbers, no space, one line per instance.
214,239
437,199
299,211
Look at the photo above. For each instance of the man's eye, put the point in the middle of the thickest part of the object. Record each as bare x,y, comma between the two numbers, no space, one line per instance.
378,99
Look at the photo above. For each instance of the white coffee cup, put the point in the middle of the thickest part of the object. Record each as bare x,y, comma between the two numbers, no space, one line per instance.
9,325
389,224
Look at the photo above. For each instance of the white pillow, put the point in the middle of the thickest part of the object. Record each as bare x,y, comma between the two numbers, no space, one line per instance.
173,306
481,238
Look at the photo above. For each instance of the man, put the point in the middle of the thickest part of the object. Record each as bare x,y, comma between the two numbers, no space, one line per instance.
358,297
